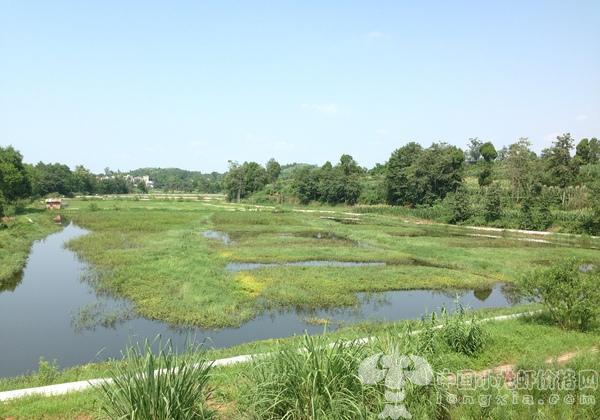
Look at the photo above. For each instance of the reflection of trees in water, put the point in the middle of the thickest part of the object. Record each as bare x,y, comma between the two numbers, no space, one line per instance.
11,283
482,294
451,293
512,293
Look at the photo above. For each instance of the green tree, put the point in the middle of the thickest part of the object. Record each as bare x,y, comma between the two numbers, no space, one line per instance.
421,176
14,179
52,178
306,184
488,152
460,206
587,152
519,166
437,172
485,175
83,180
561,169
273,170
591,224
474,150
492,209
400,173
243,180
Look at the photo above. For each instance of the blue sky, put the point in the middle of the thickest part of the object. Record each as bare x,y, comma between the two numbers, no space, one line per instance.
127,84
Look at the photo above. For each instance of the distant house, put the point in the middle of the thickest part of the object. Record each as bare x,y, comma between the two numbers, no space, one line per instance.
53,203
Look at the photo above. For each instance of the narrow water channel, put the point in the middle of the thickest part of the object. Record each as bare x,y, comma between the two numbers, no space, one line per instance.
47,313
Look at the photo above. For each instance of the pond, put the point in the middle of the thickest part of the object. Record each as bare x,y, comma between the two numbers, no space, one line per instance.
51,312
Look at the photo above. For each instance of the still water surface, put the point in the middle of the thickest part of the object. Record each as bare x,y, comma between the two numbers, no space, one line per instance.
50,312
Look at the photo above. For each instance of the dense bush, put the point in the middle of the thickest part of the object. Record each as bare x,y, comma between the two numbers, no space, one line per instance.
568,290
158,386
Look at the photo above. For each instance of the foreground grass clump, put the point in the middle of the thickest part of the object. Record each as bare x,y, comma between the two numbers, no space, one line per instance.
318,382
161,386
462,332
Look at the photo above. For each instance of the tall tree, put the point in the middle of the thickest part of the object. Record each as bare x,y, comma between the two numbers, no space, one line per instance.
561,169
489,154
587,152
83,180
519,165
242,180
399,173
474,150
14,180
273,170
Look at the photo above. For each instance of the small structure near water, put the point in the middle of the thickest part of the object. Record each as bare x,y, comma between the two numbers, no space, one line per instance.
53,203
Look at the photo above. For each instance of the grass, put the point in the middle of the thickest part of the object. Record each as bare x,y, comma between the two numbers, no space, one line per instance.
153,253
16,240
319,383
162,386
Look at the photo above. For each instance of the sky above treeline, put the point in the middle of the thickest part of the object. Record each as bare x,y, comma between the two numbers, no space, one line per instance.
194,84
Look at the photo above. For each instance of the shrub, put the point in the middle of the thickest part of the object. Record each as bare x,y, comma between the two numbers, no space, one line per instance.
93,207
47,371
320,381
462,332
460,206
162,386
493,203
569,293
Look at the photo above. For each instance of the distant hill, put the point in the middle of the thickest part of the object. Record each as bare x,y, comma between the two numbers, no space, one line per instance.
287,170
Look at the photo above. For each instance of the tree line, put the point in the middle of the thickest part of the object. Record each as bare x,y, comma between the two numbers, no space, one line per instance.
510,187
22,181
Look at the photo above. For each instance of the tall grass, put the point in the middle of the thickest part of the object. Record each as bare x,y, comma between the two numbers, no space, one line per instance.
158,386
462,332
320,382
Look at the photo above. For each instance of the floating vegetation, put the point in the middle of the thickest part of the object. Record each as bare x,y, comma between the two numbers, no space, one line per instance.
99,314
314,320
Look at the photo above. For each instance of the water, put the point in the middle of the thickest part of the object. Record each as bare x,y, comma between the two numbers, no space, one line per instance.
242,266
219,236
50,312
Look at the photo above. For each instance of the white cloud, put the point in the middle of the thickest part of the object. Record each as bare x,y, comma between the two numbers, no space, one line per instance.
375,35
581,117
326,109
381,131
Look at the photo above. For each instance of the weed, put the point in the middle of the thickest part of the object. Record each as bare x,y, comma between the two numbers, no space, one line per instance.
158,386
